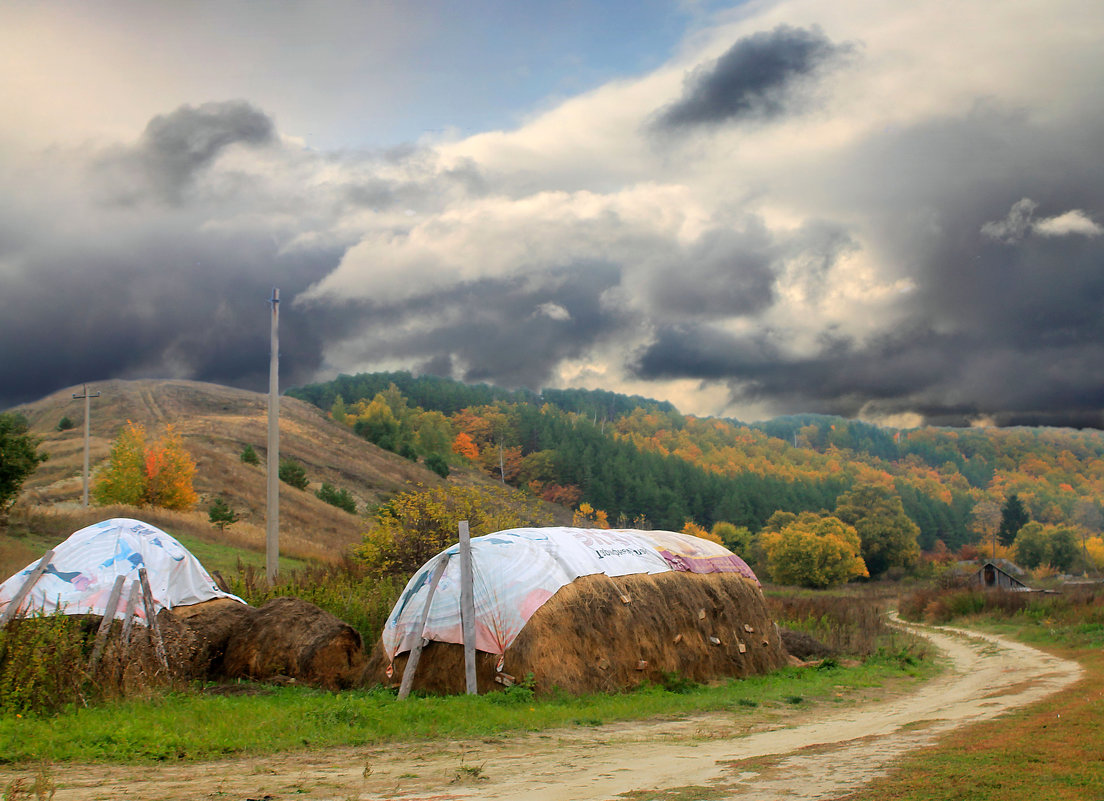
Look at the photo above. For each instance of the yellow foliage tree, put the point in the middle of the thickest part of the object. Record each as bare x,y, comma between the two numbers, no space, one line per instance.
813,551
586,516
160,474
414,526
694,530
123,478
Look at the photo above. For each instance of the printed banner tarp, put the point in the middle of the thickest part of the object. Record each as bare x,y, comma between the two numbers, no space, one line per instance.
517,570
81,573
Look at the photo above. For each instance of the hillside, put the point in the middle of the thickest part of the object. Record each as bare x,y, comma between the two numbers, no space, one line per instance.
216,423
639,459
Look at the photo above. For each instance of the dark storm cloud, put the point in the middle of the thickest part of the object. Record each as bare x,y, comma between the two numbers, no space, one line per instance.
753,79
159,308
724,273
1005,320
497,329
175,147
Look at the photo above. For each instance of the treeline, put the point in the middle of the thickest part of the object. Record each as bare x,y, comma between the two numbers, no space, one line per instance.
449,397
641,460
561,445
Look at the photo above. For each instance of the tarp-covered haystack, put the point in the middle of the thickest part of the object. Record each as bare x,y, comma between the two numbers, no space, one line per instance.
585,610
79,577
210,633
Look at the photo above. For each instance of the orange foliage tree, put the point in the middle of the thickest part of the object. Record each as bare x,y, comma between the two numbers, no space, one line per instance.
465,446
137,474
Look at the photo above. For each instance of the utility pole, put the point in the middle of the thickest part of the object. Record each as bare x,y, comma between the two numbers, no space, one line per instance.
272,508
87,435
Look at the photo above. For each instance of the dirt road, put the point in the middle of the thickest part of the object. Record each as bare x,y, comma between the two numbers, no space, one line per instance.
815,756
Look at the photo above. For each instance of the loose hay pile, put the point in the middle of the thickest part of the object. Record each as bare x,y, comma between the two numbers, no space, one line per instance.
586,638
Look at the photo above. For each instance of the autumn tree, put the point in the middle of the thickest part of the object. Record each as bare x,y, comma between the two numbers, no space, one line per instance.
586,516
814,551
694,530
414,526
463,445
19,457
170,472
123,479
736,538
136,474
888,536
985,521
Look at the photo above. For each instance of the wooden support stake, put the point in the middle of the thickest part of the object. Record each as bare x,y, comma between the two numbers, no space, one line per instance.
151,619
17,601
108,619
416,652
132,605
467,608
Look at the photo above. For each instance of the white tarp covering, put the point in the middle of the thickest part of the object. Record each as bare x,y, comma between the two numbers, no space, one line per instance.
517,570
79,577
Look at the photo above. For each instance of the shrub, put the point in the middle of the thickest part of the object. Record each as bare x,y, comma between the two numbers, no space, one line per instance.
220,514
293,473
414,526
337,497
249,456
438,464
42,664
65,423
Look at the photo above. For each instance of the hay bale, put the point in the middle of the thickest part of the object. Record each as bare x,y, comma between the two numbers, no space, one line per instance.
210,626
804,646
586,639
291,637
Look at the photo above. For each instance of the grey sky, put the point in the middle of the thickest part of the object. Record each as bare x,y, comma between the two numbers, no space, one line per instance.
870,208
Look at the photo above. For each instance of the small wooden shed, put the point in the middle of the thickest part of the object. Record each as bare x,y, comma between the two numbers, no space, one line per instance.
990,575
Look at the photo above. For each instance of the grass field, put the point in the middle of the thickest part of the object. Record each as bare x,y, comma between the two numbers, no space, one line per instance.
257,720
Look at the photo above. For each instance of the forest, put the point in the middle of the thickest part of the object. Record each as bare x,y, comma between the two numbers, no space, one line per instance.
642,463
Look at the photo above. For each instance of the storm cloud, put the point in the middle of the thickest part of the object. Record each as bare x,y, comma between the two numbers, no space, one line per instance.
755,78
891,216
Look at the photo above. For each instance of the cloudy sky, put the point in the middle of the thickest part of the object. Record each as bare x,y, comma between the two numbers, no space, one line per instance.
878,209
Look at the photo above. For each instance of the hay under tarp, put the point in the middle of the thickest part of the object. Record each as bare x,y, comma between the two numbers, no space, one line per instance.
599,633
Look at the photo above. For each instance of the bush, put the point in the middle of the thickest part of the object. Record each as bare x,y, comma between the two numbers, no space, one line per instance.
293,473
414,526
65,423
337,497
220,514
249,456
438,464
42,664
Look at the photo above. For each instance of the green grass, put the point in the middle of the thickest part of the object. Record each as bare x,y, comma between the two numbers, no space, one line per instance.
198,726
226,558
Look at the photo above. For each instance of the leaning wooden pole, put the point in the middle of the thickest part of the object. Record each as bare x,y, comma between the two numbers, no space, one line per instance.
416,651
272,505
13,606
151,619
467,608
106,622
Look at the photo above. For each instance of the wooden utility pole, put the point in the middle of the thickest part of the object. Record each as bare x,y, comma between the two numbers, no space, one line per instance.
272,507
87,436
467,608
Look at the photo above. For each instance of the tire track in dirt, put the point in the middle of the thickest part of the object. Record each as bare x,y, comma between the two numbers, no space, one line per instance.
820,759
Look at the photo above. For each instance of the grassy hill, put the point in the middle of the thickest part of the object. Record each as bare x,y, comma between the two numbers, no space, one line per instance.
216,423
